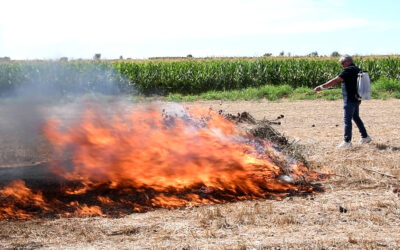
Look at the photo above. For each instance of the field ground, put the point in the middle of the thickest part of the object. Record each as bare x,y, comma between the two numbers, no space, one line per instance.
359,208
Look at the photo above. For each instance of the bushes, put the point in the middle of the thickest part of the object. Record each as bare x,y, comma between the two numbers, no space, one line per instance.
387,84
385,87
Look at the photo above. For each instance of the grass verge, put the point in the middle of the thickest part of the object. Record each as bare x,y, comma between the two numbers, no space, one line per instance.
384,88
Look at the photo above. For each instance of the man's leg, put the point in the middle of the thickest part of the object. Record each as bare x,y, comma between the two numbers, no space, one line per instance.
358,121
349,108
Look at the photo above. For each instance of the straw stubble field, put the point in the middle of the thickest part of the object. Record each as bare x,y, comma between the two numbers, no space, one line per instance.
358,209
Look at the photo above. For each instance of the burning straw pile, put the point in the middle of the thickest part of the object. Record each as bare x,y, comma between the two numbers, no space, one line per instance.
153,157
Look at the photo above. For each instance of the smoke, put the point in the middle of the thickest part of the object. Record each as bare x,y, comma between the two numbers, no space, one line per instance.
44,81
41,90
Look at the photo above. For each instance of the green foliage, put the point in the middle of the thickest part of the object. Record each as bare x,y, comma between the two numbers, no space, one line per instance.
303,93
380,67
195,77
269,92
385,88
387,84
241,77
273,93
396,95
199,76
181,98
332,94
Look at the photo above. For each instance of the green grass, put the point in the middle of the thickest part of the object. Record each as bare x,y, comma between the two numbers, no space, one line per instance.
384,88
387,84
331,94
303,93
269,92
396,95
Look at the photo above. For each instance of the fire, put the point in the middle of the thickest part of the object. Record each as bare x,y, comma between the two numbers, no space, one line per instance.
15,195
148,158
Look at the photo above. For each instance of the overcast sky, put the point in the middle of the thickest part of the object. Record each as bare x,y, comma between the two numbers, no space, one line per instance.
50,29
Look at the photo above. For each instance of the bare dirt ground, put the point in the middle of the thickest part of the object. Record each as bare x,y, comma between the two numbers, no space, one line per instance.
359,208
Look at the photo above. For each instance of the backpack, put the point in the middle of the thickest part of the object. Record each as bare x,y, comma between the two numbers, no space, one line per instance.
364,85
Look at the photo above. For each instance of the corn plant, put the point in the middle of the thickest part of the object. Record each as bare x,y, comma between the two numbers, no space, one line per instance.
188,76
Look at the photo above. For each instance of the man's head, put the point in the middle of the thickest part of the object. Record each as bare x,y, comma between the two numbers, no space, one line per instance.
346,60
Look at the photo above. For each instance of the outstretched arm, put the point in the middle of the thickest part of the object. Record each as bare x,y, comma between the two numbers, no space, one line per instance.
329,83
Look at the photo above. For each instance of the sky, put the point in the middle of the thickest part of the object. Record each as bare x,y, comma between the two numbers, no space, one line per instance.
140,29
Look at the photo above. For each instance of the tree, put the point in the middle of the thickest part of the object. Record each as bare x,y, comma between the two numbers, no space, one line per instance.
97,56
335,54
313,54
282,53
268,54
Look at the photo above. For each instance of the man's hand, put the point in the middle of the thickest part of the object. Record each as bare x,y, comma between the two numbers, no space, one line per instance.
319,88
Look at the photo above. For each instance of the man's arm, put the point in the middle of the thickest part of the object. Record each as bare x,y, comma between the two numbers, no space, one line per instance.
329,83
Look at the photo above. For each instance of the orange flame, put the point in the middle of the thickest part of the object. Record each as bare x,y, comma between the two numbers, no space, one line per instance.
16,196
147,158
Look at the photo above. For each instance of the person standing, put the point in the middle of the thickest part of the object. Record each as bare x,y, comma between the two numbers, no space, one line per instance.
351,100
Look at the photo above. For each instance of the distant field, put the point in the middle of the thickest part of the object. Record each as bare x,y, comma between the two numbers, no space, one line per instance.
185,76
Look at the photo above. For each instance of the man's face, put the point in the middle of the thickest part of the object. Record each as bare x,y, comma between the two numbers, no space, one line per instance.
345,63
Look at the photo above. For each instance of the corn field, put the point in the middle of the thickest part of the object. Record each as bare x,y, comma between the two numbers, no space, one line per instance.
186,76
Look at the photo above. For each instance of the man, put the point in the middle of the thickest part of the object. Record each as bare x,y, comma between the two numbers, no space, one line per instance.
351,99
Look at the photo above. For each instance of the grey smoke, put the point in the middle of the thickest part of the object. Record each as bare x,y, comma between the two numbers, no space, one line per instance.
51,89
